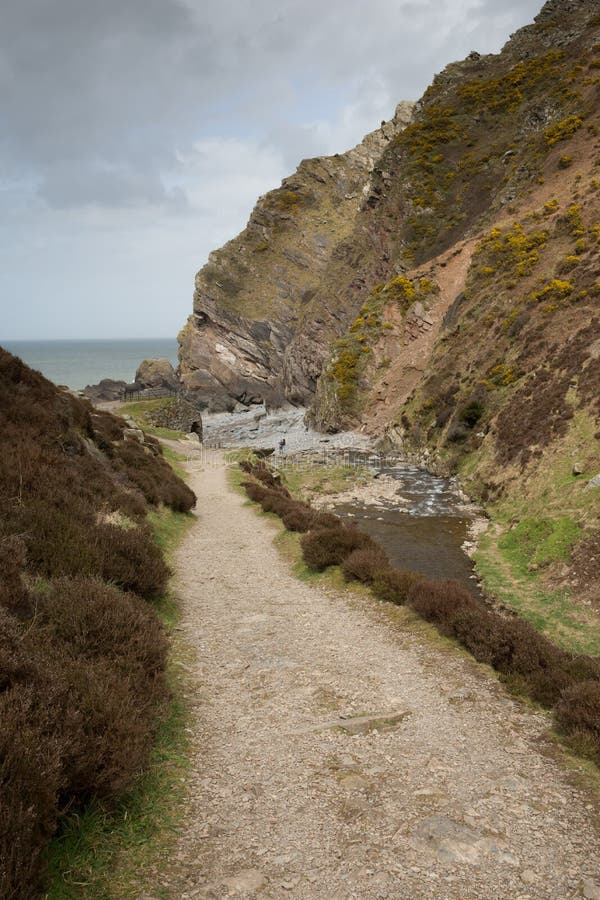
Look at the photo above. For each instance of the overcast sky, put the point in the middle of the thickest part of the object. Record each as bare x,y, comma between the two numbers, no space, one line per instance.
136,135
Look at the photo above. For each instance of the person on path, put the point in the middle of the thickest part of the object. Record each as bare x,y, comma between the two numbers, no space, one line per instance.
282,446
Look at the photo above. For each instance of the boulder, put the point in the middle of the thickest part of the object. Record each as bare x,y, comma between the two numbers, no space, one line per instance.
107,389
157,373
593,483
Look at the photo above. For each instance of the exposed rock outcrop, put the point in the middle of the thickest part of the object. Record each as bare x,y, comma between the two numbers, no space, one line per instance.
258,316
438,283
156,373
105,390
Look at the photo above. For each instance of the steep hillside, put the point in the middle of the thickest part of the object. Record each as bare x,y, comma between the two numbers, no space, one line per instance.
493,140
481,351
82,652
256,293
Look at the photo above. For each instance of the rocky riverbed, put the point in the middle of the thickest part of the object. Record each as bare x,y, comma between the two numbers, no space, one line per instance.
255,427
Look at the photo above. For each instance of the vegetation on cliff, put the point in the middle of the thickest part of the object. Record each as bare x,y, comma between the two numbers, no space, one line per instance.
82,667
500,169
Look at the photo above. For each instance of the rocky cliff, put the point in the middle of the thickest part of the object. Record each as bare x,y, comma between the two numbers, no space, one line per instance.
260,292
438,288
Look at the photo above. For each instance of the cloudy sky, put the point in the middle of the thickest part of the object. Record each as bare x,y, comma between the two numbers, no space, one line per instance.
136,135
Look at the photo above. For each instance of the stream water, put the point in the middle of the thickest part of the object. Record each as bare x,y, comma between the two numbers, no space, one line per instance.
422,526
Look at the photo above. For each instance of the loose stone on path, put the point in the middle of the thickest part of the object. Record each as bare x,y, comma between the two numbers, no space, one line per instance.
337,754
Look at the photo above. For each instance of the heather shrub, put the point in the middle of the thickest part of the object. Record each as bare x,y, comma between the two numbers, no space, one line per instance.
364,563
546,686
81,662
255,491
30,776
529,650
299,517
276,502
578,711
265,474
69,541
17,665
330,546
106,744
439,601
394,585
14,596
92,620
480,632
132,560
326,520
583,668
152,475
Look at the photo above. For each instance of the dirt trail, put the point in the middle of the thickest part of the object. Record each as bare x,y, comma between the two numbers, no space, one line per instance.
337,754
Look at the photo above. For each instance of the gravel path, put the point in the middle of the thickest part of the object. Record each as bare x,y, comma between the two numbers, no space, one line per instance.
338,754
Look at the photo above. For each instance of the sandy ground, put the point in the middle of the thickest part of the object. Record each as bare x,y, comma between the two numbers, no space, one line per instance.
338,754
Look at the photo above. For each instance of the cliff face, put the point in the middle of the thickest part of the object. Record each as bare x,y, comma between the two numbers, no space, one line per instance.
438,288
257,294
479,347
493,140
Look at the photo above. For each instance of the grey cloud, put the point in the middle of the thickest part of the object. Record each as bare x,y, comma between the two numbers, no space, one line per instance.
125,82
65,188
103,104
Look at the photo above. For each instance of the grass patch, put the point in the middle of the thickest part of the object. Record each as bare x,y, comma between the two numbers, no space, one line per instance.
140,411
306,482
100,854
175,459
553,612
539,541
169,527
538,521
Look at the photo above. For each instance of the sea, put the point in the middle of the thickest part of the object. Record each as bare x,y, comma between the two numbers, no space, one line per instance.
79,363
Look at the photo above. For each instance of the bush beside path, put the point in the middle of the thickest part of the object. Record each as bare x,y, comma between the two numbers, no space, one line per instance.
340,753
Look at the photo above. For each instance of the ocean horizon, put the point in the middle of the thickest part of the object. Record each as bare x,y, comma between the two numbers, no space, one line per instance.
77,363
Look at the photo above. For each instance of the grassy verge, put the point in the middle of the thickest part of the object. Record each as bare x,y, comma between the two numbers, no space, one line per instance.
175,459
553,612
169,528
140,411
108,854
112,853
521,560
306,481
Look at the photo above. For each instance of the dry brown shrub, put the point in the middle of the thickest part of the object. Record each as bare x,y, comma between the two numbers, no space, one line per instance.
154,477
330,546
109,739
326,520
394,584
93,620
132,560
299,517
579,710
81,663
277,503
14,595
439,601
30,777
255,491
261,471
365,563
